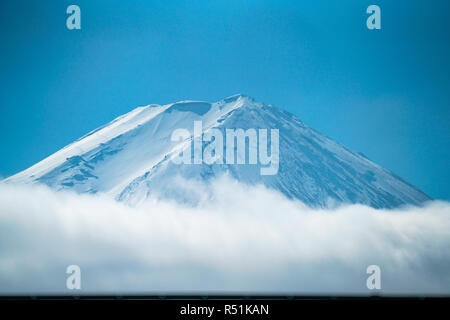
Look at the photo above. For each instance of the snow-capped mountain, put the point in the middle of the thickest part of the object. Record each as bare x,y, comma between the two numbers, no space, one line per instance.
132,157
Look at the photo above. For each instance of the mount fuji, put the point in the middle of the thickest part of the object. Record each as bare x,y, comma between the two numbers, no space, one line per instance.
131,157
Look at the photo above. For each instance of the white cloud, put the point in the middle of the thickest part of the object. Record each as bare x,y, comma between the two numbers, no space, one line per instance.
245,239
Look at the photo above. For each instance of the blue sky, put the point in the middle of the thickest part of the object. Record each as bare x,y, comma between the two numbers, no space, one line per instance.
385,92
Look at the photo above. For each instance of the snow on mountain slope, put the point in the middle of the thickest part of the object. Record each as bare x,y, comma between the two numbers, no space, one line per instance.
131,158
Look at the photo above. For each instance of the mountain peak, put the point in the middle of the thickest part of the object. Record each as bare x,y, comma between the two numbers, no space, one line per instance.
238,96
130,158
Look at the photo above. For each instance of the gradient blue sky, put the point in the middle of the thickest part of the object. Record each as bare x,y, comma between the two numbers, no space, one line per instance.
384,93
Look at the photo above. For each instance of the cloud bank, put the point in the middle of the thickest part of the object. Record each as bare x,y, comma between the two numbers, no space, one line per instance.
242,240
